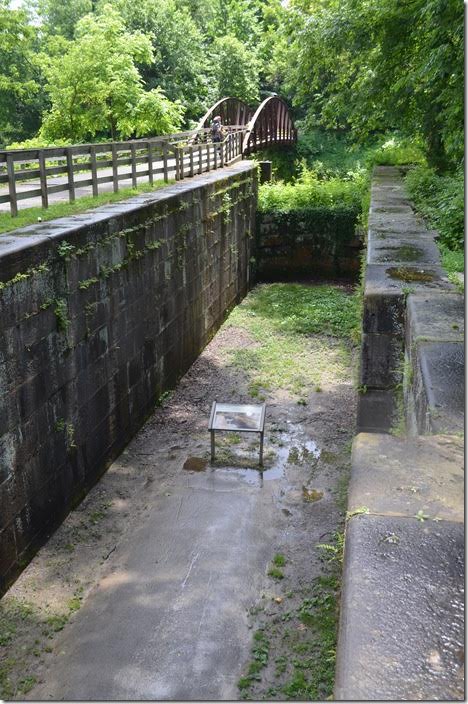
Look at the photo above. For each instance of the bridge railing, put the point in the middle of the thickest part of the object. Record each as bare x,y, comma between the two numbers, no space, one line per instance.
201,154
39,173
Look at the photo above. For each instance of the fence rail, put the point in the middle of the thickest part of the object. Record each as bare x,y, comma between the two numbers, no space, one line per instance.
26,172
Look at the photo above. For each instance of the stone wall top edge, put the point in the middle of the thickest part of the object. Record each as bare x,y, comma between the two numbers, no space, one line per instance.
14,245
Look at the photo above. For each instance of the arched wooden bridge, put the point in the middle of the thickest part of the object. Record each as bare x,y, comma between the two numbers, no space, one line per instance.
269,125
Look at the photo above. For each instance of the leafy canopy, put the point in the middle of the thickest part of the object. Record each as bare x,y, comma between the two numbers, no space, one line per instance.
95,86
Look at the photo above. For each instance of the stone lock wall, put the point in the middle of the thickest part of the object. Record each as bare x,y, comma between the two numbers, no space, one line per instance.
101,313
295,244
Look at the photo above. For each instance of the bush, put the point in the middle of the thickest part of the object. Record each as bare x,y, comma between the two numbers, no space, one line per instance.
440,200
396,152
38,143
311,192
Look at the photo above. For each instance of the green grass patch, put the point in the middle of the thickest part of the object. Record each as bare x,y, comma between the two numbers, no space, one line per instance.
301,337
29,216
275,572
279,560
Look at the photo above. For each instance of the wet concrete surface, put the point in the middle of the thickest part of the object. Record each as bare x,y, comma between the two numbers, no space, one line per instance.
402,621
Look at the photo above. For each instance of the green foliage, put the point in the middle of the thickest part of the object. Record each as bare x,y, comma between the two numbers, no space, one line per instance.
235,69
440,199
61,18
181,66
396,152
95,86
61,314
18,74
377,66
312,192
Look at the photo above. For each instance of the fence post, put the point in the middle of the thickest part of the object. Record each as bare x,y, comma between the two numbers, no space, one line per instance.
12,185
200,159
215,156
150,163
191,161
94,177
165,168
115,172
71,179
133,160
221,153
43,179
207,157
182,162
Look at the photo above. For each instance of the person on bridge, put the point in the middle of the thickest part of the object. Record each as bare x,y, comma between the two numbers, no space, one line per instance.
217,130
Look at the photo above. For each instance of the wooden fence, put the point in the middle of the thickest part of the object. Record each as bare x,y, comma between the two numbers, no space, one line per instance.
26,171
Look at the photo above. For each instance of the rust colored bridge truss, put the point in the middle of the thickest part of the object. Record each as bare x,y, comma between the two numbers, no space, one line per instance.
269,125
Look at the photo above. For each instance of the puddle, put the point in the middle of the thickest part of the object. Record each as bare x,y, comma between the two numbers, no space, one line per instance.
407,274
312,494
243,465
195,464
405,253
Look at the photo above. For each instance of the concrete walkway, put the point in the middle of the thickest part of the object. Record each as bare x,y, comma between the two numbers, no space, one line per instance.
169,620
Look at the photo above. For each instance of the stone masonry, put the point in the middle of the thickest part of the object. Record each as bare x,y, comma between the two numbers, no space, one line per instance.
401,624
101,314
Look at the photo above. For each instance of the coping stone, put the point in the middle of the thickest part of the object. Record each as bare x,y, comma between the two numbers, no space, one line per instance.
401,476
442,370
403,251
401,625
435,317
380,279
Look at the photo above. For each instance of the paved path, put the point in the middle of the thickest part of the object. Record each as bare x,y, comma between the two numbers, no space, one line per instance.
80,191
169,621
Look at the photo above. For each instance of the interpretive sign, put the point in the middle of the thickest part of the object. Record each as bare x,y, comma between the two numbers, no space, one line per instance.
238,418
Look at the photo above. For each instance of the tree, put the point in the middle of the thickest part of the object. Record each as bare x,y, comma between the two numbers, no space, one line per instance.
58,17
181,64
95,87
19,75
378,65
236,70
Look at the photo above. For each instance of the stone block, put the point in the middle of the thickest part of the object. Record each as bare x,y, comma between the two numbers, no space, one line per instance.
401,476
401,625
439,386
382,279
376,411
435,317
381,361
403,251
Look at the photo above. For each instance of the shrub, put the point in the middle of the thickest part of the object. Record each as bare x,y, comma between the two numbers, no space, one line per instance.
440,200
312,192
396,152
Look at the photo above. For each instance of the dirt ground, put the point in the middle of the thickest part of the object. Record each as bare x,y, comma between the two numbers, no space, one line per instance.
307,453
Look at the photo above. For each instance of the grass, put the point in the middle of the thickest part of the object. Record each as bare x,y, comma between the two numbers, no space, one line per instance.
287,323
30,216
18,618
454,263
304,669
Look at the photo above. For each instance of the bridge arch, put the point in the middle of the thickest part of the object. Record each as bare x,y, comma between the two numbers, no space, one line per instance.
232,111
271,124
